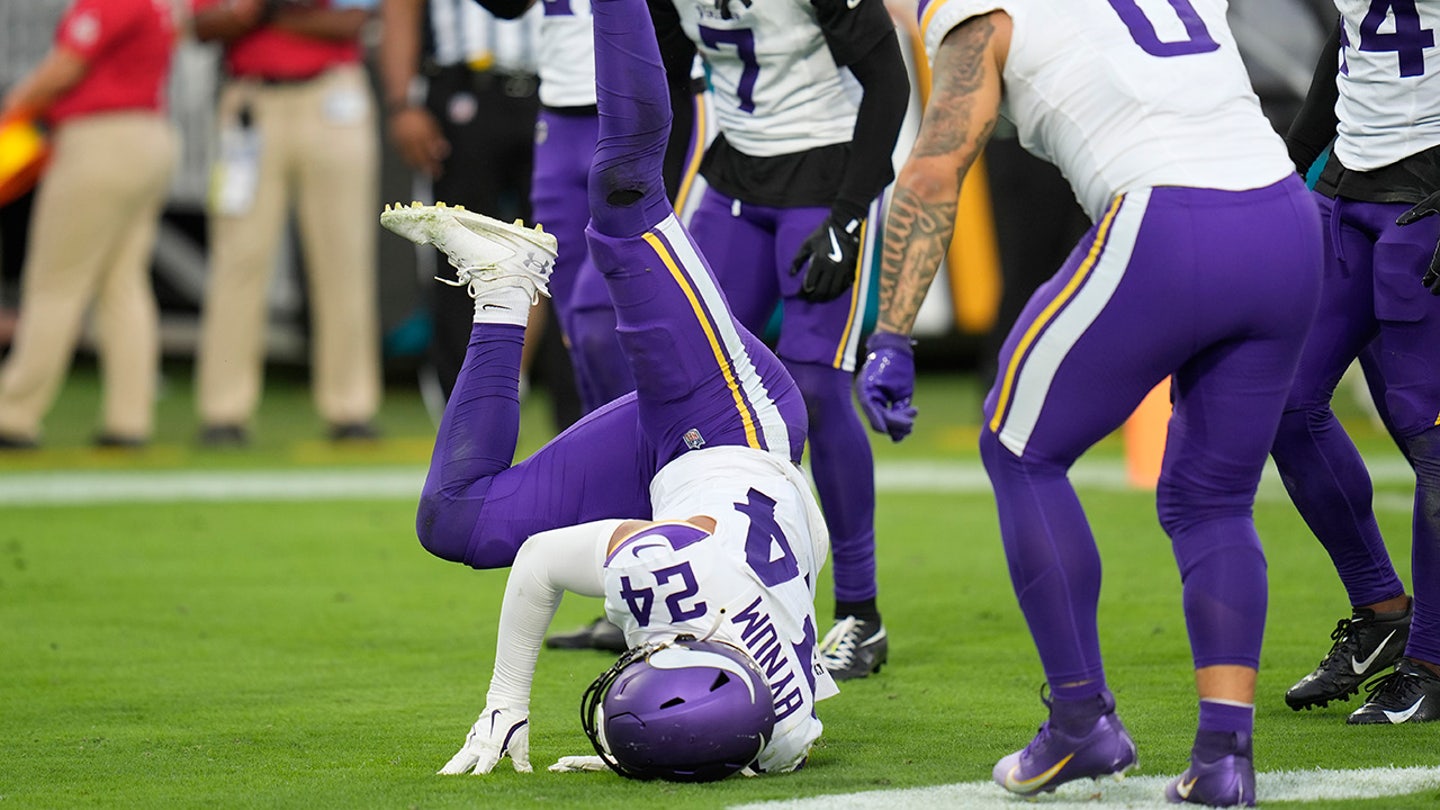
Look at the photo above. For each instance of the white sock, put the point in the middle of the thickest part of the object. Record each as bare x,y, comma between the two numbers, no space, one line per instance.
503,304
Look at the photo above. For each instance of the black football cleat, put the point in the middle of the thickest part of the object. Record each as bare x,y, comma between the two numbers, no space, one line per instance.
1410,694
343,432
1364,647
854,648
18,443
600,634
224,436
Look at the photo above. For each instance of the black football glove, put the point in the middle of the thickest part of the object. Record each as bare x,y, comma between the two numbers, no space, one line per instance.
832,254
1423,209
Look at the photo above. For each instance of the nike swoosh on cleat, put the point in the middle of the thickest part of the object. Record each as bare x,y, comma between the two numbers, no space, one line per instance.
835,254
1361,666
1400,717
1182,789
1027,785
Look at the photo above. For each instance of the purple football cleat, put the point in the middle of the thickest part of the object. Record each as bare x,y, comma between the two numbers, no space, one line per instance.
1054,757
1226,782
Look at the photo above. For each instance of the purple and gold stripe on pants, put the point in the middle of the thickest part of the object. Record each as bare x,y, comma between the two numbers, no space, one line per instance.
1046,340
763,426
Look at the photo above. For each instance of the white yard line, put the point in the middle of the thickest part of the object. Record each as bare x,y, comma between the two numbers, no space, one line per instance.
1133,792
361,483
36,489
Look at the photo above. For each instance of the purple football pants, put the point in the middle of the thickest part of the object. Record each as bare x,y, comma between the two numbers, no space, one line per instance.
1372,306
564,144
751,248
1213,288
703,379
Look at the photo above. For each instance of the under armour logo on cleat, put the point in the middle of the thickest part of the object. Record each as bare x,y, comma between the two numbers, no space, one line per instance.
539,265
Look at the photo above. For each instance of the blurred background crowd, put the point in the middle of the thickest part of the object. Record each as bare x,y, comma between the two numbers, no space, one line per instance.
247,192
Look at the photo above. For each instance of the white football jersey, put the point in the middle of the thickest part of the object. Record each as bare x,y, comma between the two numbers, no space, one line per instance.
1127,94
777,88
751,583
567,54
1389,82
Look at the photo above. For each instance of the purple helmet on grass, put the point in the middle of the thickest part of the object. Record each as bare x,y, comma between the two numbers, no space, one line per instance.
683,711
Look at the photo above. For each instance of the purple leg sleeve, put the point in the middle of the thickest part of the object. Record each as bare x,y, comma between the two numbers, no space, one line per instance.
606,373
702,379
557,198
1318,463
477,509
1424,641
465,459
627,186
1054,566
844,471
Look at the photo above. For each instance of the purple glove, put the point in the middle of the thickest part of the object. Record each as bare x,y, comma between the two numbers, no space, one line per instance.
886,382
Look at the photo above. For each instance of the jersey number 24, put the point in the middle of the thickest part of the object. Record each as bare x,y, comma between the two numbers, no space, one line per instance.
767,552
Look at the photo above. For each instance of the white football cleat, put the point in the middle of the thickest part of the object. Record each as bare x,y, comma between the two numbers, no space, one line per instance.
483,250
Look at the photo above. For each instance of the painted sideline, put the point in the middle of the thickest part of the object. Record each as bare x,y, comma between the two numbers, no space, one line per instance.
361,483
1133,792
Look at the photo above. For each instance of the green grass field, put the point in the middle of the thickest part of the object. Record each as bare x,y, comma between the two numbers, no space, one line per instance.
308,653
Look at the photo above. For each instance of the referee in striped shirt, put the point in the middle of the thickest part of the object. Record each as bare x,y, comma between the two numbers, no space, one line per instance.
460,102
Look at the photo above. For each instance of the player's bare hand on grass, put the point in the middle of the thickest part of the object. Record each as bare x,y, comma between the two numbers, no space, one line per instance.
498,733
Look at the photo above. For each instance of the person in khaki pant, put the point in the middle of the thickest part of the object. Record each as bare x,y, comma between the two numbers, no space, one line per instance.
296,127
100,89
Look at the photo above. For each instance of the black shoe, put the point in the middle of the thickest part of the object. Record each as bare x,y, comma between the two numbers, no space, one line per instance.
112,441
1364,646
224,436
854,648
17,443
1410,694
597,635
354,432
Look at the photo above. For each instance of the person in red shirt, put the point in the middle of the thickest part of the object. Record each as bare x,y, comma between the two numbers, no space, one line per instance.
101,91
297,129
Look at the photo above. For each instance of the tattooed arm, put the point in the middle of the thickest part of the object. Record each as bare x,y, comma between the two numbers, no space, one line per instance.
964,105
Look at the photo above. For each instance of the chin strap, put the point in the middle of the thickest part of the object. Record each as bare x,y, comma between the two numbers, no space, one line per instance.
719,619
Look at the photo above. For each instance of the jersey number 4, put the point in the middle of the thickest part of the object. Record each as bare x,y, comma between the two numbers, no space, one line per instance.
1406,38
